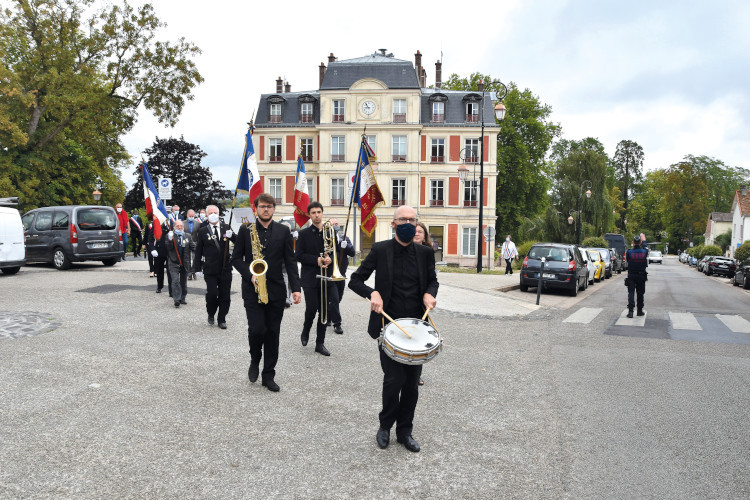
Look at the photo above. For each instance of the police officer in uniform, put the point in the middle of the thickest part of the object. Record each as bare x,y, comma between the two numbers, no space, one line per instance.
637,258
212,260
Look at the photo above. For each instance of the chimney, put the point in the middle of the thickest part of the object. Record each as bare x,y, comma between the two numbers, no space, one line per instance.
480,86
331,58
279,83
438,74
424,78
287,87
322,73
418,67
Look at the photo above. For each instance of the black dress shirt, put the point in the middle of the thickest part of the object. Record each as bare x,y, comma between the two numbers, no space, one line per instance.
406,301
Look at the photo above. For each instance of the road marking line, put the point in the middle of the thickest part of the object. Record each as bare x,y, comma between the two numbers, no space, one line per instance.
623,320
736,323
684,321
583,315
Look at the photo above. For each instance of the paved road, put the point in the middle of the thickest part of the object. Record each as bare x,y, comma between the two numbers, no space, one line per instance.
98,401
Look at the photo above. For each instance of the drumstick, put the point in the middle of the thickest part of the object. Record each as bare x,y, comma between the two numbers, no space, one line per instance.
426,313
432,323
392,321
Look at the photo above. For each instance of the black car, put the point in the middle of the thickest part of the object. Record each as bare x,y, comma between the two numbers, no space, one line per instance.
563,268
742,275
722,266
617,261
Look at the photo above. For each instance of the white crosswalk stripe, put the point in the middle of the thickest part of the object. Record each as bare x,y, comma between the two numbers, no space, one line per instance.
684,321
584,315
736,323
623,320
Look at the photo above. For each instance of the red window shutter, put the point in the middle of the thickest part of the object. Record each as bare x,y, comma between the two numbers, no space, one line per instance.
421,190
289,189
291,150
486,147
484,243
455,148
453,191
485,183
452,239
262,148
424,148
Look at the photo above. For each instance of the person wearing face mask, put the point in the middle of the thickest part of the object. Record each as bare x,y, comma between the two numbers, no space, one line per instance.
191,229
405,286
202,218
343,252
509,253
212,262
178,254
136,233
174,215
124,225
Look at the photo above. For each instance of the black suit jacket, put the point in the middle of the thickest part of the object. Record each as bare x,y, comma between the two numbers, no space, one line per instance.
309,248
277,254
178,254
209,258
380,260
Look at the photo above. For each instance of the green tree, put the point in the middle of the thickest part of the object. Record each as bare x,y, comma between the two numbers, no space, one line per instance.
628,164
724,240
526,135
193,184
74,79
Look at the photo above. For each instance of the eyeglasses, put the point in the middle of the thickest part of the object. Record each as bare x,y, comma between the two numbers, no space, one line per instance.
265,207
404,220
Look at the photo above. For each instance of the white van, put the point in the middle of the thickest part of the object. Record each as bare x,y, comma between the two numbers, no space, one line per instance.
12,246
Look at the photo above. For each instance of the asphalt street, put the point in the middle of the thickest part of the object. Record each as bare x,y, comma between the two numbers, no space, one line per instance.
109,391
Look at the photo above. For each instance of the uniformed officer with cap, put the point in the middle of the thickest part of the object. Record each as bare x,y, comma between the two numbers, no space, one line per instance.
637,258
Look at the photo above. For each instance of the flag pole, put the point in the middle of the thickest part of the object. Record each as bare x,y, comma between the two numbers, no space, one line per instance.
242,165
355,187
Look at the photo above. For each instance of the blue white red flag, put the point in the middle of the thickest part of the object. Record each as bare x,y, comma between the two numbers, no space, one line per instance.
366,192
301,195
249,178
154,205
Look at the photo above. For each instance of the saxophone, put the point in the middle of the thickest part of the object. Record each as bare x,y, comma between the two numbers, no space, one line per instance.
258,266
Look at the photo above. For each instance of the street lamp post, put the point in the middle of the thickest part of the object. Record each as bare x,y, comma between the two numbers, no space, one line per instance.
580,202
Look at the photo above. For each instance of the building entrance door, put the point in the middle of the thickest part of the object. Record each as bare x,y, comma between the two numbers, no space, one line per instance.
436,236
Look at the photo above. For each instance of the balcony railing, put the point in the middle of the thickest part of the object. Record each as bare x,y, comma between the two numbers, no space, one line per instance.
274,159
307,158
337,202
437,159
338,118
398,157
274,119
436,203
399,117
338,157
438,118
398,203
470,203
306,118
472,159
472,118
277,200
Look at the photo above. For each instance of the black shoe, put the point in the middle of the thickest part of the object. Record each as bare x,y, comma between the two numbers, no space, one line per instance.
640,313
409,443
287,305
158,290
338,329
183,302
210,320
320,348
630,313
170,294
304,338
123,258
176,303
383,437
252,372
222,325
271,385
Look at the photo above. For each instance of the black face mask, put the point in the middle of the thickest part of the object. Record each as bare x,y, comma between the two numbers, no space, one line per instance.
406,232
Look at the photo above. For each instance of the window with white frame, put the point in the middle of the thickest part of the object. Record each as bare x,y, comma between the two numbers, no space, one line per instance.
399,148
398,192
311,188
438,112
470,193
306,112
274,154
472,151
307,149
338,191
274,189
399,111
437,154
338,148
436,192
338,111
469,247
275,113
372,141
472,112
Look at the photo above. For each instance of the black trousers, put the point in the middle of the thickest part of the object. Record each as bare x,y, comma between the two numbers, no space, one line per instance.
400,395
263,327
137,239
312,308
218,289
636,286
341,285
159,265
508,266
177,280
150,261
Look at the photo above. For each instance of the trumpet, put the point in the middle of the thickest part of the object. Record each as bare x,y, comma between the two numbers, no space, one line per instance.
329,247
258,266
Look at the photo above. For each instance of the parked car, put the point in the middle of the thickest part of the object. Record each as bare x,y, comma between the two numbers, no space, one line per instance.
590,265
596,258
684,258
616,241
742,275
563,268
73,233
693,261
654,256
604,252
614,255
722,266
12,248
701,262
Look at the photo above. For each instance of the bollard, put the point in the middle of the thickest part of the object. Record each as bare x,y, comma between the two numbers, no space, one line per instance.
539,286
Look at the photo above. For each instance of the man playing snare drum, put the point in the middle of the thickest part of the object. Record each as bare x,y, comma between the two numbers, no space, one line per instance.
405,285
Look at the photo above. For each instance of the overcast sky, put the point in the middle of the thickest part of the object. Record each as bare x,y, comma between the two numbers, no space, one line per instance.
673,76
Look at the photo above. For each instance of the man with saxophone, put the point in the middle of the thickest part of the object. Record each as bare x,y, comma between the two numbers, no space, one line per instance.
321,295
211,260
267,247
405,285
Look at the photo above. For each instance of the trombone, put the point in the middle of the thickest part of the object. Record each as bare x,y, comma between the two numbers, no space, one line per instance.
329,247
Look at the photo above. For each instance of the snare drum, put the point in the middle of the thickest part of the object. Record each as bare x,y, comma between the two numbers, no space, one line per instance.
424,345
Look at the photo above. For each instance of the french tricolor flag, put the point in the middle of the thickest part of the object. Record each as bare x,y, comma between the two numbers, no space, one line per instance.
249,179
301,195
154,205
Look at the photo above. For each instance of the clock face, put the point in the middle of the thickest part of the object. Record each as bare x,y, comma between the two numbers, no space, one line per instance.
368,107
